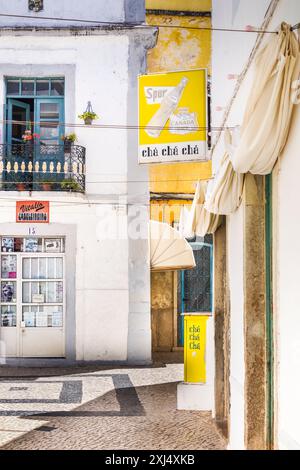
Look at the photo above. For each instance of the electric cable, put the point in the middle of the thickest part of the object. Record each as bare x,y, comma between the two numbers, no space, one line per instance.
111,126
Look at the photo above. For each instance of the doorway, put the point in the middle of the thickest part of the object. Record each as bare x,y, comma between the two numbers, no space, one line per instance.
34,107
32,316
195,285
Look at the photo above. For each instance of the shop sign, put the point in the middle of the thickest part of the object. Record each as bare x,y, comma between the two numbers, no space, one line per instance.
195,348
173,117
37,212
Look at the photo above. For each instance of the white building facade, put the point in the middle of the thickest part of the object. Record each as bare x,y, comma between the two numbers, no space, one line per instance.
263,384
76,287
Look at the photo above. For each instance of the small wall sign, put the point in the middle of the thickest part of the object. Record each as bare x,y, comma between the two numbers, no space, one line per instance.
36,5
35,212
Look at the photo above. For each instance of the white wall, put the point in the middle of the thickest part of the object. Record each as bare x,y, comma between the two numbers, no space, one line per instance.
112,270
99,75
237,368
230,53
288,293
118,11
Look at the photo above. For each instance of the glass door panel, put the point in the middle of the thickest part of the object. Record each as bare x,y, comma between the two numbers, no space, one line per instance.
8,311
50,118
42,301
8,316
19,112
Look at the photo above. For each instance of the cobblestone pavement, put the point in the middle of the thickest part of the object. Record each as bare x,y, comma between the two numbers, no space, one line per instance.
102,409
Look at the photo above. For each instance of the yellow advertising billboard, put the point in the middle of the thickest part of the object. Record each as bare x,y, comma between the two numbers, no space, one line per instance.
173,117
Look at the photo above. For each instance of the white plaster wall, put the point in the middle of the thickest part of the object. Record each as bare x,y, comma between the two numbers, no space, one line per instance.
91,10
286,278
101,76
101,294
112,274
237,368
230,53
288,292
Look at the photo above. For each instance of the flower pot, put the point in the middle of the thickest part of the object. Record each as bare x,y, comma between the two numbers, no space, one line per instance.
88,121
21,187
67,146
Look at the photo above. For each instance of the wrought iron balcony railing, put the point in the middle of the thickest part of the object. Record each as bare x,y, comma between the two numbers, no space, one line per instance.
39,167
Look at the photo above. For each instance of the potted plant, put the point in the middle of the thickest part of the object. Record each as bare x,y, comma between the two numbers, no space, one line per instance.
30,137
21,187
68,141
70,184
88,117
43,184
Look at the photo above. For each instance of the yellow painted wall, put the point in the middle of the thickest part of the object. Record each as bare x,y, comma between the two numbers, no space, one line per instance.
167,211
180,5
179,49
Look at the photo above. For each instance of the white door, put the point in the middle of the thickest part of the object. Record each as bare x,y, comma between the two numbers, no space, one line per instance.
33,300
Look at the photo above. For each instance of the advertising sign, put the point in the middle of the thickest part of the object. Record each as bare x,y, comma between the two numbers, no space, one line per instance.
195,348
37,212
173,117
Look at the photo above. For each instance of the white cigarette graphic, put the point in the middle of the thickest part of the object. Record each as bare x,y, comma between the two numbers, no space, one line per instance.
167,107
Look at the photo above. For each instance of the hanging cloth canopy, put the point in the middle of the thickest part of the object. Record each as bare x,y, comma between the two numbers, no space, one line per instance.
227,188
269,108
169,250
199,221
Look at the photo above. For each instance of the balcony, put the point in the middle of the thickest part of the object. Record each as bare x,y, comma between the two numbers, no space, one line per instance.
27,167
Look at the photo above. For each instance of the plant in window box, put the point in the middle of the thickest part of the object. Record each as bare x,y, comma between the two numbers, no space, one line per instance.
70,184
43,184
21,187
68,141
30,137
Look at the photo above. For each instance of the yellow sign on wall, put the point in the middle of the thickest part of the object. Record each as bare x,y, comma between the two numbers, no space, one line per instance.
173,117
195,348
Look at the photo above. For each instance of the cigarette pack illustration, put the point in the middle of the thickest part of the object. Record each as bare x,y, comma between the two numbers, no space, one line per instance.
183,122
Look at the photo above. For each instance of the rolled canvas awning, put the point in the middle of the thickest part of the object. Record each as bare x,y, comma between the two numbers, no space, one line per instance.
169,250
199,221
266,122
226,194
270,104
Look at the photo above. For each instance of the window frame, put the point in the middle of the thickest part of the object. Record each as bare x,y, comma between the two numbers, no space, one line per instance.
35,80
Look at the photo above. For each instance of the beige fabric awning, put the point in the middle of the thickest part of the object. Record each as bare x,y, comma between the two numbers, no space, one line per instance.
200,222
269,108
227,188
169,249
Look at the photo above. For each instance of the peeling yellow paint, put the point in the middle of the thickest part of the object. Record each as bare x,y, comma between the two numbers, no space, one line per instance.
180,49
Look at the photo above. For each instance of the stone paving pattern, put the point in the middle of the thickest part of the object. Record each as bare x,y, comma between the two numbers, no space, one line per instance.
121,409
